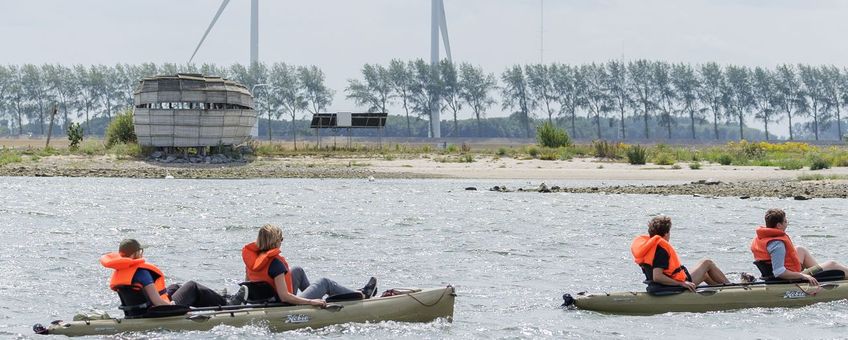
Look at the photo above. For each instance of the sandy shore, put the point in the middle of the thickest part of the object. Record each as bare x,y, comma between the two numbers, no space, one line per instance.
726,180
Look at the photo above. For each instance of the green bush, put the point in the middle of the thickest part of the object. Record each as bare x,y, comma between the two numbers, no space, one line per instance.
121,130
466,158
604,149
790,164
564,154
695,166
75,134
502,151
9,156
664,158
452,148
549,155
725,159
122,150
818,163
533,151
637,155
551,136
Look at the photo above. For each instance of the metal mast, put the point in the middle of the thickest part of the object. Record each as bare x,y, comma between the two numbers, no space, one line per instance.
438,25
254,31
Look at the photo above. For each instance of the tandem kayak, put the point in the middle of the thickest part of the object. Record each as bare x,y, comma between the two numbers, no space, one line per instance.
410,305
711,298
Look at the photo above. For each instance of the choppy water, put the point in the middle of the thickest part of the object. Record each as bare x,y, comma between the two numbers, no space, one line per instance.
511,256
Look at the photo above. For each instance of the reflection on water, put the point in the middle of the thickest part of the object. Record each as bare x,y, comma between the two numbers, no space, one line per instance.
511,256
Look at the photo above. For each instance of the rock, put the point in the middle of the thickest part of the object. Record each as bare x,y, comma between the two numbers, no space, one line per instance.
555,188
712,182
495,188
157,155
207,159
544,188
700,181
801,198
170,159
744,197
471,189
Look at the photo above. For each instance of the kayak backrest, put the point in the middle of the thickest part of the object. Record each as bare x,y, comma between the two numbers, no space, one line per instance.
133,301
259,292
764,266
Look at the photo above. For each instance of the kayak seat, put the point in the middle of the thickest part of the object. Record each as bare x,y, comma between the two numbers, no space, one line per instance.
658,289
259,292
345,297
135,305
823,276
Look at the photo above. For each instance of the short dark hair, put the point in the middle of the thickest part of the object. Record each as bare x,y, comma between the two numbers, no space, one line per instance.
128,247
659,225
774,217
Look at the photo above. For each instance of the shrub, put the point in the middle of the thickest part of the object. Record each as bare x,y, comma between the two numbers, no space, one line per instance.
465,148
564,154
664,158
790,164
604,149
75,134
9,156
676,167
121,130
637,155
725,159
818,163
695,166
466,158
549,155
502,151
122,150
551,136
452,148
533,151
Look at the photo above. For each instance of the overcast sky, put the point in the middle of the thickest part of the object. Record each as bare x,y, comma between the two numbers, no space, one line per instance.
340,36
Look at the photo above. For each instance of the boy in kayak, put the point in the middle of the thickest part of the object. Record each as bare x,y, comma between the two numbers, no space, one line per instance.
773,247
263,262
132,270
660,263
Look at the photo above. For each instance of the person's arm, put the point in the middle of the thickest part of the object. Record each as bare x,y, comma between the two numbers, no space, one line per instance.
777,251
661,259
661,278
285,296
153,296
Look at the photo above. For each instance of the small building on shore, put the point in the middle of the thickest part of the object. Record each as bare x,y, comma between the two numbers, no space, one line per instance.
192,110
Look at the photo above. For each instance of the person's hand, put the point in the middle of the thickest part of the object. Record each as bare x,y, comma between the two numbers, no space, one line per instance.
812,280
688,285
318,303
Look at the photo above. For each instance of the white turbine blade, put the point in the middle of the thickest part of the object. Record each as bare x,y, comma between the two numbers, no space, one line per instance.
443,25
214,20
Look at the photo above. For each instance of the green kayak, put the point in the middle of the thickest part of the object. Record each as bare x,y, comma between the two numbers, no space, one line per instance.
411,305
711,298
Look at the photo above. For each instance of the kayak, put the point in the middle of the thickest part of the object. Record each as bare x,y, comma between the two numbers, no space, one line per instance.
711,298
410,305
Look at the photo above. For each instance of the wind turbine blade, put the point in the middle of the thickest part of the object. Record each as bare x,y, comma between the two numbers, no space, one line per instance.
443,25
214,20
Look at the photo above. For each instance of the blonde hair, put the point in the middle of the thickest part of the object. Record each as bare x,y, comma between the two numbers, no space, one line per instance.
269,237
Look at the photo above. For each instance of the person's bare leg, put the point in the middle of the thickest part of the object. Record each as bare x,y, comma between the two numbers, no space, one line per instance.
807,260
833,265
707,271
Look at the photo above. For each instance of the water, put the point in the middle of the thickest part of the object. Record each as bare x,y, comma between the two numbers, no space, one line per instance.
511,256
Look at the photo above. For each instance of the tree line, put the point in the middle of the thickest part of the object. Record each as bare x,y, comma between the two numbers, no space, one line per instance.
614,100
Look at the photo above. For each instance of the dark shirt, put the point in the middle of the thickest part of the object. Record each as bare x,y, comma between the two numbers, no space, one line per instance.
277,268
142,277
660,259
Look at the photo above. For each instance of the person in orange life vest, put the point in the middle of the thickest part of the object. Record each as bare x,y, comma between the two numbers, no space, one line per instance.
263,263
132,270
654,251
788,262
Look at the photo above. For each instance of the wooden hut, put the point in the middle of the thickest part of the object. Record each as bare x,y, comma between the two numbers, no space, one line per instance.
191,110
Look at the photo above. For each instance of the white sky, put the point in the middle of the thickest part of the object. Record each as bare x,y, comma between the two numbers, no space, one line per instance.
340,36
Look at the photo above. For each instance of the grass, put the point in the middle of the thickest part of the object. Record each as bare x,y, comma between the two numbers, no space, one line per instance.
820,177
9,156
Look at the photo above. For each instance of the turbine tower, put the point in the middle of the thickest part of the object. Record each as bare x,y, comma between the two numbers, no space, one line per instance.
439,24
254,30
254,41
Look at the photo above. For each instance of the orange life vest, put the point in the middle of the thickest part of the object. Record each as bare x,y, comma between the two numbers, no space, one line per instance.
125,269
759,246
645,247
257,263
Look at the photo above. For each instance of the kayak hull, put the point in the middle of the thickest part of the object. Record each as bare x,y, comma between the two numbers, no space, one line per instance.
714,298
419,305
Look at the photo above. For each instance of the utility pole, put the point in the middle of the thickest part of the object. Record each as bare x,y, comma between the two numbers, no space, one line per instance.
50,130
542,33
